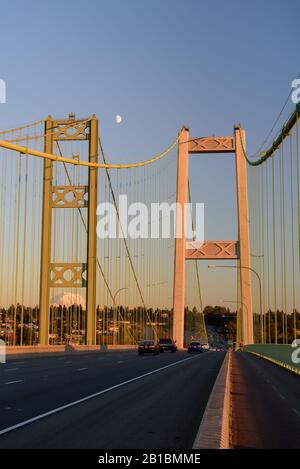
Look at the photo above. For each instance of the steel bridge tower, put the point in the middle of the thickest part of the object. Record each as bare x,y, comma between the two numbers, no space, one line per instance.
239,250
69,275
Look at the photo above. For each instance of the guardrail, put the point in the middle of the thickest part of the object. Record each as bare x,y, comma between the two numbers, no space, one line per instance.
287,356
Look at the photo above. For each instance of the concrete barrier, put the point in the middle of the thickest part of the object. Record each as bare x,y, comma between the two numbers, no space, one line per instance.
214,430
283,355
30,351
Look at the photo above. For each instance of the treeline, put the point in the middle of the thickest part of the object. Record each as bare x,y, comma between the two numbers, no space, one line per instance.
19,324
121,324
280,327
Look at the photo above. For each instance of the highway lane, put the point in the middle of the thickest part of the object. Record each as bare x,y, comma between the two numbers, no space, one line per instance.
162,410
45,383
266,404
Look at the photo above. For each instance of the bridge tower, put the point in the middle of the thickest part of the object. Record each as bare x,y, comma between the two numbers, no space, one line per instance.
214,250
56,197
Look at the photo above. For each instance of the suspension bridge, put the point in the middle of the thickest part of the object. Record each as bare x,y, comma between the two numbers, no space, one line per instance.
54,173
62,285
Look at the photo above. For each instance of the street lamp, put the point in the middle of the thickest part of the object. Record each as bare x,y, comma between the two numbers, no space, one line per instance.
259,282
235,302
116,293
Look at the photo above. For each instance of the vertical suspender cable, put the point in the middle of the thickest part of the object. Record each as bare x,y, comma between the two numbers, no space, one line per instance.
274,248
268,252
17,252
24,252
298,183
292,234
284,245
262,250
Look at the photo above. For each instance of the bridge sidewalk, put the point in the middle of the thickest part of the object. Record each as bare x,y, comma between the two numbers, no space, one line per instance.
265,404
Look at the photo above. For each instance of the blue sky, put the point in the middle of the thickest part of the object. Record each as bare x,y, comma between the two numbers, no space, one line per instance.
160,64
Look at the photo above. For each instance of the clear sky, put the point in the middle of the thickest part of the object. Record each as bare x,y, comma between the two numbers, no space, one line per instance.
160,64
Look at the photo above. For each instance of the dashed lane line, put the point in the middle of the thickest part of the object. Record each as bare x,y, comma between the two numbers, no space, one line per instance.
296,412
14,382
92,396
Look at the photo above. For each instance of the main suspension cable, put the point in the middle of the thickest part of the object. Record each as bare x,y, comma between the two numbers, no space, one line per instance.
52,157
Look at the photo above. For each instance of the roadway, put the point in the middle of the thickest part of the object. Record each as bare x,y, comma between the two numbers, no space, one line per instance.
265,403
162,409
215,338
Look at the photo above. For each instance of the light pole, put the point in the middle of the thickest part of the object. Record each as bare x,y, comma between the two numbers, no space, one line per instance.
259,282
116,293
235,302
114,304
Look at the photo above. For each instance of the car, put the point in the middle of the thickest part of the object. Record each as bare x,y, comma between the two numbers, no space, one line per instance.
148,346
167,345
205,347
195,347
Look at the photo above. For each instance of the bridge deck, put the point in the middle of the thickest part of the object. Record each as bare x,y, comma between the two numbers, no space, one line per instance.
162,410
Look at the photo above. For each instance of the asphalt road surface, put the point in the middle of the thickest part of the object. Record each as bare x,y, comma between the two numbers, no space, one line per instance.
126,401
266,404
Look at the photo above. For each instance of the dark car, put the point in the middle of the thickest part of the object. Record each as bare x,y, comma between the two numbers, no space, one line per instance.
195,347
167,345
148,346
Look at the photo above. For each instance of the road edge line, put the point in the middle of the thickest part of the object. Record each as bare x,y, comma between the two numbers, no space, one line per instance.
214,431
286,366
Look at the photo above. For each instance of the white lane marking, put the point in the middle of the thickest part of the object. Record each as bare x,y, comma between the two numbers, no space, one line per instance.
121,361
282,397
274,387
91,396
12,369
13,382
67,363
82,369
296,412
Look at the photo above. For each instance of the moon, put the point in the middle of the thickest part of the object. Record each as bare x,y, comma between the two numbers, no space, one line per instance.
118,119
